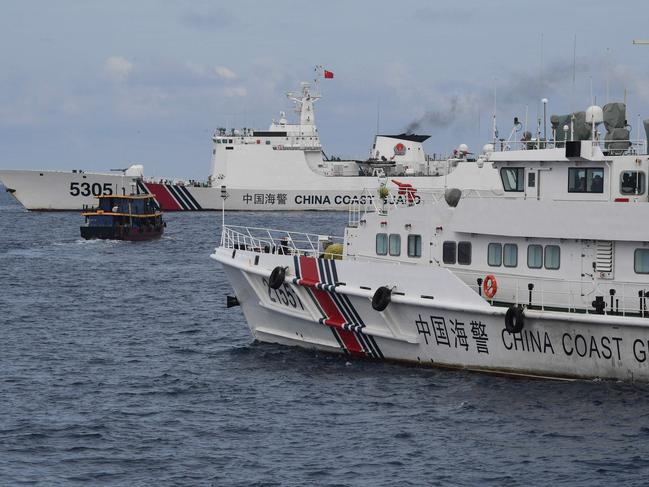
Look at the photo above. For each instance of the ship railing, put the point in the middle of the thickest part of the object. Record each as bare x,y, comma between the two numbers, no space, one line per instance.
619,298
612,147
281,242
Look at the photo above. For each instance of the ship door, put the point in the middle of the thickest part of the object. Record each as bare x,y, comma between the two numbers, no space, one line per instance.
597,266
588,270
533,184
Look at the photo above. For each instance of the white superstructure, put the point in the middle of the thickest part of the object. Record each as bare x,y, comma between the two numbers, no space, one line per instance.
549,280
285,166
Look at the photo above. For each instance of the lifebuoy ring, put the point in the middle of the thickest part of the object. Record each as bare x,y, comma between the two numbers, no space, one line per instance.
514,319
381,298
276,279
490,286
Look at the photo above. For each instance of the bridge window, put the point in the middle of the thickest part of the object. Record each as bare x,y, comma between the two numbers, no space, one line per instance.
395,244
585,180
449,252
513,178
414,245
552,257
381,244
534,256
641,261
495,254
510,255
464,253
632,182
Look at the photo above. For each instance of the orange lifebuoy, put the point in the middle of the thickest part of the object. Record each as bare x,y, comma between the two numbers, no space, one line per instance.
490,286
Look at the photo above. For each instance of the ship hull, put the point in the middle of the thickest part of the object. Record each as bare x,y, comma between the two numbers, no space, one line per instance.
61,190
115,233
58,190
433,319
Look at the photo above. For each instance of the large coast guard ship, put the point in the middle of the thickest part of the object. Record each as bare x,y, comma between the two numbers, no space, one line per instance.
281,168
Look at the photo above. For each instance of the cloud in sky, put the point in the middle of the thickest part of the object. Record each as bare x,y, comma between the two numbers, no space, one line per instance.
118,68
224,73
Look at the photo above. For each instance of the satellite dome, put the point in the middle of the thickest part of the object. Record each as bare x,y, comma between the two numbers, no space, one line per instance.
594,114
463,148
488,148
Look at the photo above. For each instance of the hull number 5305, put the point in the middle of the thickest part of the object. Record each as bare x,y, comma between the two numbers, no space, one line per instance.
87,189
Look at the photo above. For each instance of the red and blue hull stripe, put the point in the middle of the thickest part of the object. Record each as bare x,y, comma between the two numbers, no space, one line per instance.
170,197
320,278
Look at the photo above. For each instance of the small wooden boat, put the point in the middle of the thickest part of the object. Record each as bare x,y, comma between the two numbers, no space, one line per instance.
131,217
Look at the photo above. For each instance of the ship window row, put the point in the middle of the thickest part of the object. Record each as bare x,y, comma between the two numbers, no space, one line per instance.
585,180
632,182
513,178
391,244
539,256
641,261
580,180
499,254
456,252
224,141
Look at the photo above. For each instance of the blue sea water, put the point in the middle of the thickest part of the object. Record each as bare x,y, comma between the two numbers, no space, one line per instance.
119,365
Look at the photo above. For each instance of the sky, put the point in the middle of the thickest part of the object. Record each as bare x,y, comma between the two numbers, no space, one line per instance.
97,85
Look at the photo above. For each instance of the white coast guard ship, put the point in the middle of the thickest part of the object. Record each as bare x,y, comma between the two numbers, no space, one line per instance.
549,281
282,168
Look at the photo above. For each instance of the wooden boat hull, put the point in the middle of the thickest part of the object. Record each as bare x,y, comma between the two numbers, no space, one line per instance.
121,233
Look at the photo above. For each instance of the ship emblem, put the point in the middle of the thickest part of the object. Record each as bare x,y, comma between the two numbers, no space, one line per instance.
399,149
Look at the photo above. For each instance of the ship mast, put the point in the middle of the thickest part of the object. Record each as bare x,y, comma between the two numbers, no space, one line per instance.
304,104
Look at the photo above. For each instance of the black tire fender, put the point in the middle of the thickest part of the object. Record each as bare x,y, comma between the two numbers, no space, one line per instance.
381,299
514,319
276,279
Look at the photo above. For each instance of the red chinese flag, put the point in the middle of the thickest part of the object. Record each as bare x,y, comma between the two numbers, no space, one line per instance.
328,74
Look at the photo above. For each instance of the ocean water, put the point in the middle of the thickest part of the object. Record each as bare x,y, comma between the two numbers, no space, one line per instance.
119,365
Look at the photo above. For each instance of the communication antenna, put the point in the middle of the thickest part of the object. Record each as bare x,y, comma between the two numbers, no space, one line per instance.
378,114
574,69
608,72
540,93
224,196
545,117
525,127
541,66
494,126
